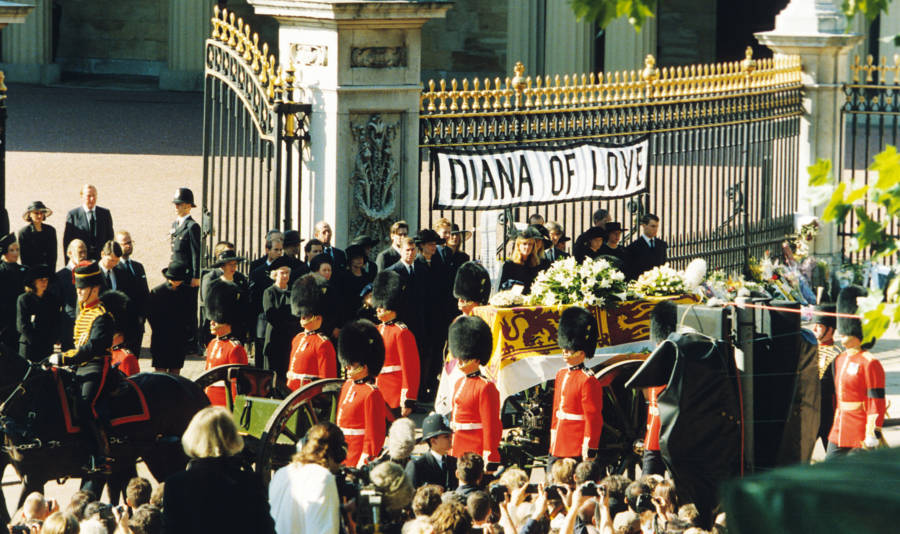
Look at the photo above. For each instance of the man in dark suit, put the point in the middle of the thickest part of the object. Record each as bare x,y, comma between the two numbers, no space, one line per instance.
391,255
435,466
259,282
89,223
436,287
185,236
324,234
647,251
64,289
413,279
110,255
137,290
271,237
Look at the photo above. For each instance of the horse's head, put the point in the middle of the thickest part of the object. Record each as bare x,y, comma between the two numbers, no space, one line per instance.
12,369
28,400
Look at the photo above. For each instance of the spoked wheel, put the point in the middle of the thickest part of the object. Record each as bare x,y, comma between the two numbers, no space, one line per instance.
217,374
624,418
313,403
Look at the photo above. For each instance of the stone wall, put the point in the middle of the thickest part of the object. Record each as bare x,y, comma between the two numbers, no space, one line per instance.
471,41
113,30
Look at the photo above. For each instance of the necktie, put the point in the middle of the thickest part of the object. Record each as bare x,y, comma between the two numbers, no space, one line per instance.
651,243
93,223
128,264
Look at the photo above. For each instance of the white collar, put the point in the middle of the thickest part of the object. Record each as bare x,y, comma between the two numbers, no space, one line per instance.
182,219
87,211
438,457
647,239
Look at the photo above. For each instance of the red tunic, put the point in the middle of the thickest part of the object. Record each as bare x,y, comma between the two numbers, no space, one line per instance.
127,361
651,438
476,418
860,406
577,412
312,357
399,378
223,351
362,416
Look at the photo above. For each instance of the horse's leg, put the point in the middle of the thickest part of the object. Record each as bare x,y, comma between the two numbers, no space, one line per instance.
4,512
118,480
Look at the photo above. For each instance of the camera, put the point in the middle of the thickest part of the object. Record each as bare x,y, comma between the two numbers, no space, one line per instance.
589,489
368,514
498,492
644,503
553,492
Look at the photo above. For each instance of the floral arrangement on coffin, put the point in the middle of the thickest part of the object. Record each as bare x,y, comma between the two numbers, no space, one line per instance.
507,299
659,281
593,283
724,287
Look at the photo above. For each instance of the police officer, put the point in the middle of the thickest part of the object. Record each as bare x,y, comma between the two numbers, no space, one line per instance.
93,337
399,377
186,249
224,304
312,353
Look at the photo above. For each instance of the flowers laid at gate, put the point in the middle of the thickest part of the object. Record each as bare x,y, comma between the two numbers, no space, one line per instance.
593,283
658,282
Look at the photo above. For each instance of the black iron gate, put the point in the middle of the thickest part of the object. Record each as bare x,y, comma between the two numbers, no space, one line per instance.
253,130
723,147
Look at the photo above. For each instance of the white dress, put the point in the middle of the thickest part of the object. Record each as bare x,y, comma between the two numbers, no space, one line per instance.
303,499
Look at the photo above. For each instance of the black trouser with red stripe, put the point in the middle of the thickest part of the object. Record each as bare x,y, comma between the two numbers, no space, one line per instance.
91,378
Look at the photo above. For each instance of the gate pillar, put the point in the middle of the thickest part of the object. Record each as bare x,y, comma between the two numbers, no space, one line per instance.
358,64
813,29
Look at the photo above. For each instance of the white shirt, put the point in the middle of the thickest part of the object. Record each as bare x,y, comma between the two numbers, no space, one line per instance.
649,240
303,499
181,220
112,277
438,457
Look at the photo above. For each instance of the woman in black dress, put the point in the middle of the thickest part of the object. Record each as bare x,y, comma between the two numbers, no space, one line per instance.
12,284
37,240
589,243
37,315
169,310
524,264
281,325
613,245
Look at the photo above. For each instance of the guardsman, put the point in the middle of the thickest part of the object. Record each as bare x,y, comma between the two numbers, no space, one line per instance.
362,414
118,305
223,306
312,354
472,287
663,322
578,397
399,378
823,328
475,418
859,385
93,337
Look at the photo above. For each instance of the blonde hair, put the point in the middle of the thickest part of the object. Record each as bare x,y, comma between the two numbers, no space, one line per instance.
443,222
60,523
563,471
212,433
532,260
514,478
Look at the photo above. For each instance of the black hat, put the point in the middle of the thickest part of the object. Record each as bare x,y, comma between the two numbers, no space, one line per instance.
530,232
225,256
37,205
177,270
184,195
355,251
308,296
472,283
828,321
434,425
613,226
291,238
663,321
279,262
363,241
847,304
6,241
592,233
317,262
578,331
88,275
387,291
118,305
544,234
223,303
359,342
470,338
37,271
427,235
454,229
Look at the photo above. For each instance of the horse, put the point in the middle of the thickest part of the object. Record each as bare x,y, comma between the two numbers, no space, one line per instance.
147,415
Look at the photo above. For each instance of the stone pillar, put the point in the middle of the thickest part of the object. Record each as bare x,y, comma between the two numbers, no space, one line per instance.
814,30
27,53
189,27
525,35
624,48
569,44
359,66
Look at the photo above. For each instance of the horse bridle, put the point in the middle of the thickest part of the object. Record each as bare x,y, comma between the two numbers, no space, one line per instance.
18,389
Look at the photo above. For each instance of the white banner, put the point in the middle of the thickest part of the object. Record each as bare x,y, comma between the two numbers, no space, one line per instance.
521,177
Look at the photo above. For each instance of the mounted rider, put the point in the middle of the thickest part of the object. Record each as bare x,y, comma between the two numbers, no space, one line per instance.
93,337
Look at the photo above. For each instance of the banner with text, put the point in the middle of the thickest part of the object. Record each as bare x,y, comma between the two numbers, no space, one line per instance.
530,176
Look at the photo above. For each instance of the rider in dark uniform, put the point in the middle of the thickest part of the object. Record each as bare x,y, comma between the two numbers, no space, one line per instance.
93,338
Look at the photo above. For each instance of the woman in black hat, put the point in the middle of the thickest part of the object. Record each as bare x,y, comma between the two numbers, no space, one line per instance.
12,284
281,325
169,310
589,243
37,315
225,271
36,239
524,264
612,246
352,281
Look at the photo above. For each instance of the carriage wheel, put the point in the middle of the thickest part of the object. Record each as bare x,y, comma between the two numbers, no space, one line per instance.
217,374
624,418
313,403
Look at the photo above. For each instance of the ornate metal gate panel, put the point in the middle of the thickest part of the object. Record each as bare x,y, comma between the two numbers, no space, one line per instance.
253,130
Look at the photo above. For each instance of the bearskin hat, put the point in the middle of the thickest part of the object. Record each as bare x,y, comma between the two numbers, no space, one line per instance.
308,296
360,342
846,303
118,305
578,331
828,321
663,321
472,283
223,303
470,338
387,291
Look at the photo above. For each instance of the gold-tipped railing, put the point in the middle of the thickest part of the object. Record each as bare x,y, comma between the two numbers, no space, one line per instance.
652,84
882,73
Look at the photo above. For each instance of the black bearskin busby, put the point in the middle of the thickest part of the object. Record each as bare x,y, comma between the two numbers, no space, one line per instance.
118,305
387,291
469,338
472,283
308,296
663,321
846,303
578,331
828,321
223,303
360,342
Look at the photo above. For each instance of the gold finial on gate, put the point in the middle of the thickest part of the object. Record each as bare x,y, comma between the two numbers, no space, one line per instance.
748,65
215,22
231,41
650,73
255,64
518,81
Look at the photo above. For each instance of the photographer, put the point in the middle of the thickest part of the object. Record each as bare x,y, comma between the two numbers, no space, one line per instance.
469,472
588,510
303,495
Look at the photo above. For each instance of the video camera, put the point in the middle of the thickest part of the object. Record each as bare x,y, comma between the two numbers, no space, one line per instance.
362,504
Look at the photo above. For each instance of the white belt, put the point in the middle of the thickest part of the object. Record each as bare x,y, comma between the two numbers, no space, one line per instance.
391,369
654,410
466,426
298,376
354,431
845,406
569,416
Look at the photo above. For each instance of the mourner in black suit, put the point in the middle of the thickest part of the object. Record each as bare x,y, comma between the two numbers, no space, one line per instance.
37,315
391,255
647,251
274,248
259,282
435,285
435,466
413,279
167,311
613,245
137,290
558,240
37,241
324,234
12,284
89,223
185,236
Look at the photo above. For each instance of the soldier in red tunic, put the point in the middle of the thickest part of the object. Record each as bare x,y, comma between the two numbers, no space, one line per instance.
476,402
859,385
223,307
362,413
399,378
578,397
119,306
663,322
312,354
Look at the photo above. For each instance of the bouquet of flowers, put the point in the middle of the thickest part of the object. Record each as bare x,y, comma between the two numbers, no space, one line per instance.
593,283
726,288
507,299
658,282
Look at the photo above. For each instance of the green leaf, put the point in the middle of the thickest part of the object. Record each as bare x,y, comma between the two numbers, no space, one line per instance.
875,323
869,232
857,194
837,209
820,172
887,165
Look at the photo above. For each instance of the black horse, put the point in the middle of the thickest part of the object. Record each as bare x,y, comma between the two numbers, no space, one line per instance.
42,442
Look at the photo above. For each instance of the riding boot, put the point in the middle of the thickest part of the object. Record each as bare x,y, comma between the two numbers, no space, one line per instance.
100,457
